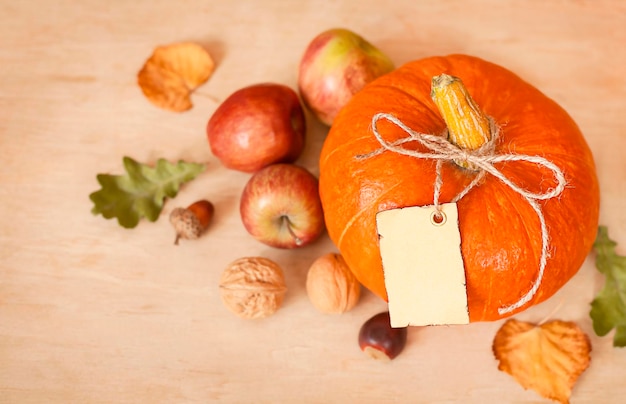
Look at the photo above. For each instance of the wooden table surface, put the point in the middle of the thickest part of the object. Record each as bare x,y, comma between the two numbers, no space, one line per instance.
94,313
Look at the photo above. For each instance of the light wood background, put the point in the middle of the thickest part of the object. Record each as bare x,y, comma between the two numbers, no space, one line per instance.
93,313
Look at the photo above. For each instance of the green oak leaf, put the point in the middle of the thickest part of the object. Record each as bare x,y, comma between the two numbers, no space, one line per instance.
608,309
141,192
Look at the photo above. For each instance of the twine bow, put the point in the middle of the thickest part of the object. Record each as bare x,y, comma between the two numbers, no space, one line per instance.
483,160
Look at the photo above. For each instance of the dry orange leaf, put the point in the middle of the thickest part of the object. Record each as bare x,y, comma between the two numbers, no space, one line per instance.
547,358
172,72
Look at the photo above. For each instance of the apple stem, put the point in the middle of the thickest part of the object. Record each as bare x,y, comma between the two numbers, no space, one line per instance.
287,223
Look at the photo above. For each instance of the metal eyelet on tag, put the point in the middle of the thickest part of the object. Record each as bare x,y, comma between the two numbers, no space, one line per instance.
438,218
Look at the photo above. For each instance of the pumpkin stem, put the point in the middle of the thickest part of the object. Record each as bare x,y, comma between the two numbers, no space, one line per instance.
468,126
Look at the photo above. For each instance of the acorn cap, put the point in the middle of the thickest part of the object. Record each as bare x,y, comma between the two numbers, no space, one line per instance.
186,224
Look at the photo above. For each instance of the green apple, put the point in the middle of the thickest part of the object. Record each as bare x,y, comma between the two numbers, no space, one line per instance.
336,65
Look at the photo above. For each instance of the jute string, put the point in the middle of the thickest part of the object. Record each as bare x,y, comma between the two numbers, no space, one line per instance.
482,160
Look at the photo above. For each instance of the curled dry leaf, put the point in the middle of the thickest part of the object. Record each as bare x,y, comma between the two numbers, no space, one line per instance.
172,72
547,358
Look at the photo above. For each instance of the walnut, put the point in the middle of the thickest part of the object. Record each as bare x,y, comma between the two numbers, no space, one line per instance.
253,287
331,286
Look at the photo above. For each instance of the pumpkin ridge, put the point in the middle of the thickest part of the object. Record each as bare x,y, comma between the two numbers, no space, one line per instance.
509,201
489,299
352,220
508,194
327,155
428,105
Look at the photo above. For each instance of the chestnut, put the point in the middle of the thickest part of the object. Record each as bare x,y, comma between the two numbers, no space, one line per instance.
381,341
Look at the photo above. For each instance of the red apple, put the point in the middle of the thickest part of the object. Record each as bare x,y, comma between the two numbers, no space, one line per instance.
257,126
335,66
280,206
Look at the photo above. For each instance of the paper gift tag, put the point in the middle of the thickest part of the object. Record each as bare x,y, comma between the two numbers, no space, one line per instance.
423,265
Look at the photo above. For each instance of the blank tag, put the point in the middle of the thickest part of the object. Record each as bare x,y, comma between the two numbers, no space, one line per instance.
423,266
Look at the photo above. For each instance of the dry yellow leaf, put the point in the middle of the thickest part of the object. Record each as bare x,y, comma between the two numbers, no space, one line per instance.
547,358
172,72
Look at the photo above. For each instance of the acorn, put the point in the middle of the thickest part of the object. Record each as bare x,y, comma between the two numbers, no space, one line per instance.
190,222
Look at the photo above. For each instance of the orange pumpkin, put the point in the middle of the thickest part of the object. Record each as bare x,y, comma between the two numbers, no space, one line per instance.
501,233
